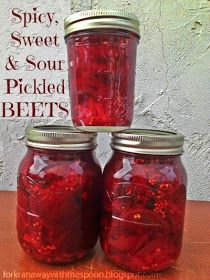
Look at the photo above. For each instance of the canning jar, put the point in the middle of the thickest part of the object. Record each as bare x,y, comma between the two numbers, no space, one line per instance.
143,201
101,48
57,194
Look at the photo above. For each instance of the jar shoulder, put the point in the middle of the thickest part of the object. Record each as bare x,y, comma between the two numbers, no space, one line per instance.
123,167
45,165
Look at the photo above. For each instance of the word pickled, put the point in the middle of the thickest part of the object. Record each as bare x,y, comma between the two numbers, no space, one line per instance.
19,86
20,16
32,64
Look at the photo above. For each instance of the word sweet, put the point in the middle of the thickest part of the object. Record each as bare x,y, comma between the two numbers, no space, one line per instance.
28,41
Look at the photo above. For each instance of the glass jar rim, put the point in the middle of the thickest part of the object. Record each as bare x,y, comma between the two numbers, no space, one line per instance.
101,18
148,141
57,137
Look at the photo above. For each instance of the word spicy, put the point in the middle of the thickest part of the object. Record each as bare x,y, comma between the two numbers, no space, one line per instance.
20,16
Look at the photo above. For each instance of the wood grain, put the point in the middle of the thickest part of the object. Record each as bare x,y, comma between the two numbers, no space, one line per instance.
193,264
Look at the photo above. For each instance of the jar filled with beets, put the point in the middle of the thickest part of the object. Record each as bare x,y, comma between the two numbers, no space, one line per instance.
57,194
143,201
102,48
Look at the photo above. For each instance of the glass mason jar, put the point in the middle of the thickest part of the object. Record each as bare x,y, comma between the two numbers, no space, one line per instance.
143,201
101,48
57,194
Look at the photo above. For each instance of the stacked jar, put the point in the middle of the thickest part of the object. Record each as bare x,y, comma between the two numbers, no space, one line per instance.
58,190
143,200
101,48
141,196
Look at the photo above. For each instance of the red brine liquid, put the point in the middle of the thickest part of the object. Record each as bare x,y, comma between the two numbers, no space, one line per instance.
57,216
143,206
102,75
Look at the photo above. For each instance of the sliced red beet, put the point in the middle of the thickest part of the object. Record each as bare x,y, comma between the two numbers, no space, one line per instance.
129,244
104,70
51,223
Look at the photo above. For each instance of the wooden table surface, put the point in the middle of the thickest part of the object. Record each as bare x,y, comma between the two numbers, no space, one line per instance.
193,264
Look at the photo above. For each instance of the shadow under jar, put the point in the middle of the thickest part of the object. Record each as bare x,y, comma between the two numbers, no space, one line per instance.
102,48
57,194
143,200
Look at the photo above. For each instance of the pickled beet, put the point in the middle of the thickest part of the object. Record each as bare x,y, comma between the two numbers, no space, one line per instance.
102,74
143,205
57,205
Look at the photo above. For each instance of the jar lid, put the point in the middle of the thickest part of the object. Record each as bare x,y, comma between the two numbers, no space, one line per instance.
60,138
93,19
145,141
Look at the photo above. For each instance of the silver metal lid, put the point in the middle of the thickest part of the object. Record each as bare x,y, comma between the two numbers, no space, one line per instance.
60,138
143,141
93,19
